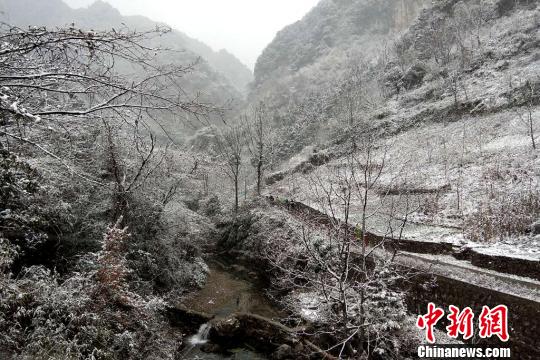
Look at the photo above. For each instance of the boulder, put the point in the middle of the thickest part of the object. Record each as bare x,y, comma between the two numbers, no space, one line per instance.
283,352
274,178
265,336
535,228
414,76
185,318
226,328
260,333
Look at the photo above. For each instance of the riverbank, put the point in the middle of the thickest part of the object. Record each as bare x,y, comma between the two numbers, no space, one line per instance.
263,231
227,292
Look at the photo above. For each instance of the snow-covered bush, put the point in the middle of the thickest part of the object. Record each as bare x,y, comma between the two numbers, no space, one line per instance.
113,271
210,206
503,215
21,222
86,315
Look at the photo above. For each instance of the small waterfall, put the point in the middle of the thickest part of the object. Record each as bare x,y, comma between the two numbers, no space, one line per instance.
202,335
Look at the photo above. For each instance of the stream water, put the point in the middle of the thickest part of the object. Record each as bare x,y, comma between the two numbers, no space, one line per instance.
224,293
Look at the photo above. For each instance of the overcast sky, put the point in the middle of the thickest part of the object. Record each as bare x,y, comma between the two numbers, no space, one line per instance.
243,27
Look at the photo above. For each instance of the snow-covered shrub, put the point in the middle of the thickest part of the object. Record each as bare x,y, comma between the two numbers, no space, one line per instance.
41,318
385,311
113,271
503,215
167,259
8,253
167,267
392,80
22,225
156,251
210,206
45,316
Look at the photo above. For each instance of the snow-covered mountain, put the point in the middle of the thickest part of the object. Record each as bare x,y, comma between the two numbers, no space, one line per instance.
335,33
452,85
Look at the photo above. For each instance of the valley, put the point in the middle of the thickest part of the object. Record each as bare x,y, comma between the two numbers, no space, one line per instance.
159,200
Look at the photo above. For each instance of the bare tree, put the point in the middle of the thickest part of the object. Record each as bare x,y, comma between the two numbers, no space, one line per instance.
352,98
74,72
128,177
469,19
354,279
231,147
260,142
67,75
436,41
526,117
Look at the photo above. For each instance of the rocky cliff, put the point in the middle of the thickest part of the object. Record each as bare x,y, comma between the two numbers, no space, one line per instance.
314,51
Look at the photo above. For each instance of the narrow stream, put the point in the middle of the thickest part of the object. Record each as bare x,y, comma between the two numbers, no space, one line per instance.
225,293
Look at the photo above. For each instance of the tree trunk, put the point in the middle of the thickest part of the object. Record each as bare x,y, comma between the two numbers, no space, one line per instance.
236,194
531,130
259,177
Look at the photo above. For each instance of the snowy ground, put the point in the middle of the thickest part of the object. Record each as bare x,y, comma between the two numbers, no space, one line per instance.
495,163
482,159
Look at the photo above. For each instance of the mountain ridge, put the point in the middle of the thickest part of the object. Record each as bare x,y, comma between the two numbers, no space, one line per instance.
323,29
102,15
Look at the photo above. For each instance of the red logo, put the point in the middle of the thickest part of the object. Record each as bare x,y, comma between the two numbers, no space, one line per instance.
429,320
491,322
460,323
494,322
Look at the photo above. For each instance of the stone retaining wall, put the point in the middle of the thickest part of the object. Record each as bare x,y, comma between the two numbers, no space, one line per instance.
504,264
524,314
